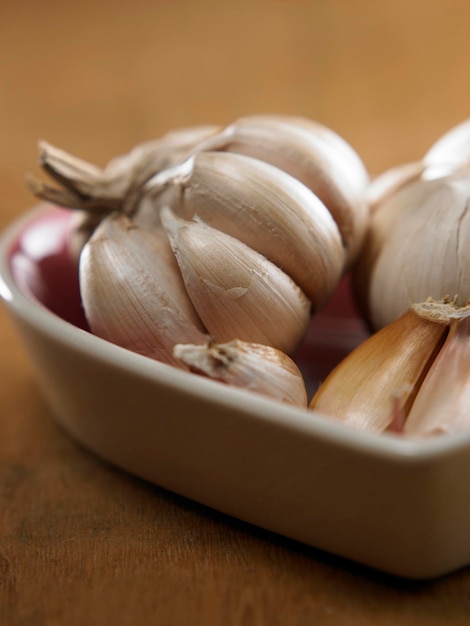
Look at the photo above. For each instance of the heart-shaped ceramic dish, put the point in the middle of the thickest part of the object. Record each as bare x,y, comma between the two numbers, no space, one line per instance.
397,505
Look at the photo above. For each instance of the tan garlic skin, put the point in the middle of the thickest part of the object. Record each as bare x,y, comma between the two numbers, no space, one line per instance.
236,291
263,207
442,404
251,366
311,153
132,291
374,387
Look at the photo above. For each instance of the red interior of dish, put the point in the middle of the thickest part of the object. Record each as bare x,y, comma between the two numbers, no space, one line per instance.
42,266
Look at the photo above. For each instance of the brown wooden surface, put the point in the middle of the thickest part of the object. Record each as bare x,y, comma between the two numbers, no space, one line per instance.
83,543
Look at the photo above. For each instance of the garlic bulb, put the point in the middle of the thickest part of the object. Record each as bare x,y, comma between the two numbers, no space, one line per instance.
254,367
240,232
132,290
374,387
236,291
418,232
263,207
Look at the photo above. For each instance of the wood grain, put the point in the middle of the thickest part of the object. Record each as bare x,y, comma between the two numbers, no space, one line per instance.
84,543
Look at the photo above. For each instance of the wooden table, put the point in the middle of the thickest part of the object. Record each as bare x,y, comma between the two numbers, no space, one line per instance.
84,543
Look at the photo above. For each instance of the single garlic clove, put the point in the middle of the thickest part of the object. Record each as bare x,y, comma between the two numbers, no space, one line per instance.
132,290
311,153
236,291
90,188
251,366
263,207
374,386
442,404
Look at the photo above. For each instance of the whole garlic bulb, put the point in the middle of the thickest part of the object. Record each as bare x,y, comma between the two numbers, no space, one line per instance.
284,214
418,238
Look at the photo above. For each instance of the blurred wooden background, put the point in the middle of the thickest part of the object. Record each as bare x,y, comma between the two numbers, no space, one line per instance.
81,543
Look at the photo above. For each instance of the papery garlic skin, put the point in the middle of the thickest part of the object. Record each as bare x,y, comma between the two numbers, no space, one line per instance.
442,405
236,291
311,153
250,366
417,247
132,291
387,368
263,207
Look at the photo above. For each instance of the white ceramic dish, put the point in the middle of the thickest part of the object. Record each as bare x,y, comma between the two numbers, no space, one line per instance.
400,506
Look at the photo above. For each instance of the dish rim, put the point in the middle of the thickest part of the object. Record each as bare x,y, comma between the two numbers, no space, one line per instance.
27,308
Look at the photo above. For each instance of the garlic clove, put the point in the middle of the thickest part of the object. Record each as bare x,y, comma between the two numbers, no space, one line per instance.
311,153
254,367
236,291
442,404
374,386
133,293
263,207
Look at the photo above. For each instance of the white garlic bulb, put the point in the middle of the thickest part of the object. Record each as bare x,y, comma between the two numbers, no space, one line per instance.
418,237
263,217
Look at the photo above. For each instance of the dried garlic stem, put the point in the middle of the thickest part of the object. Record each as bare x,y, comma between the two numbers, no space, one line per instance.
250,366
116,187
